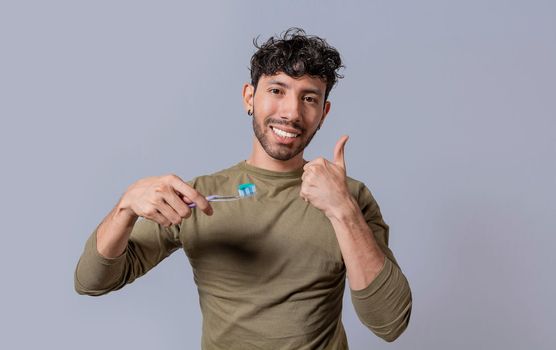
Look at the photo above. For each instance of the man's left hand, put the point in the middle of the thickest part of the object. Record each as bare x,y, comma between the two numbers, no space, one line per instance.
324,183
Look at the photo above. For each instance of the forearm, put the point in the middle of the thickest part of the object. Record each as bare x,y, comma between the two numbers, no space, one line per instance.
380,292
147,245
96,274
385,305
102,266
114,231
362,255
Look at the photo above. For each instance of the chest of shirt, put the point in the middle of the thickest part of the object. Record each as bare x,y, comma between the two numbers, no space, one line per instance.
262,236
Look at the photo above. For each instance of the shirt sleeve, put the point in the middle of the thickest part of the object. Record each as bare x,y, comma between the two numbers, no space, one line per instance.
149,244
384,306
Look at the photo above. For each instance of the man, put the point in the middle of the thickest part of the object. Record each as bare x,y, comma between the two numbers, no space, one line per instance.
270,269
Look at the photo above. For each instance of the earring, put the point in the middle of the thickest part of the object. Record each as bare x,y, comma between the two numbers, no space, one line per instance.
249,113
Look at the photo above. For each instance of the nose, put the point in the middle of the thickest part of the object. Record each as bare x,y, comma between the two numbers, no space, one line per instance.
290,109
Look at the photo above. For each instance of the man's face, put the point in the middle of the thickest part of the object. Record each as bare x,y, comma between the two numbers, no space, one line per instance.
287,113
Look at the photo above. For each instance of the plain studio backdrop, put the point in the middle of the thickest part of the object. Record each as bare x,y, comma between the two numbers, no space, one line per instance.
450,107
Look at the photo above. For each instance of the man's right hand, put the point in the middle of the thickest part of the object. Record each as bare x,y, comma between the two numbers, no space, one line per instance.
163,199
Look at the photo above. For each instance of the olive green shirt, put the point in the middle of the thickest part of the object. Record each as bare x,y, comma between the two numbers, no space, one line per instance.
268,268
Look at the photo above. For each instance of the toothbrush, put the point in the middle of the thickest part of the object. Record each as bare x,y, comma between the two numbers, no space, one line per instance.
244,191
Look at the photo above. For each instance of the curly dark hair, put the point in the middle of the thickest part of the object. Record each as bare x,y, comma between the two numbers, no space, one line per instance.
296,54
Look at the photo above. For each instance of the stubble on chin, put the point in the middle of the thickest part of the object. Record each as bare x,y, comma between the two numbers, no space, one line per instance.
279,153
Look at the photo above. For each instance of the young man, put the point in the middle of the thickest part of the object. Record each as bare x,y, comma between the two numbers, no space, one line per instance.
270,269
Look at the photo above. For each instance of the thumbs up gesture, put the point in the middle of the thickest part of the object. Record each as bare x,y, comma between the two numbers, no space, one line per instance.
324,183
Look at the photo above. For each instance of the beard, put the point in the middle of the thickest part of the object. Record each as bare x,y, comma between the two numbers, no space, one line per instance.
280,151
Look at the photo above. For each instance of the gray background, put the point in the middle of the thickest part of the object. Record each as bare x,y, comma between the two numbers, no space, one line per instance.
451,111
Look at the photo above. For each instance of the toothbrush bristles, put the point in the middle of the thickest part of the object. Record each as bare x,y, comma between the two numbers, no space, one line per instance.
246,190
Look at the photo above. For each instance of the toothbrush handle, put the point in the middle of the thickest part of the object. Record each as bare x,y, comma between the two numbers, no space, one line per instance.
209,198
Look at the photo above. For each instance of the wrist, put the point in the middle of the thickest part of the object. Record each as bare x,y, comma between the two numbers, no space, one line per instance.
344,211
124,212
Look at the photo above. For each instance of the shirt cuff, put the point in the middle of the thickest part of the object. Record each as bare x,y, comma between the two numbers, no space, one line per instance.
99,257
376,283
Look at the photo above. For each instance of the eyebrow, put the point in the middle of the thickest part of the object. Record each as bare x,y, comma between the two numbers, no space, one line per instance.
308,90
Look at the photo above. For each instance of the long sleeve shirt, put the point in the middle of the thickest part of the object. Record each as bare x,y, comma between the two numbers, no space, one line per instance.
268,268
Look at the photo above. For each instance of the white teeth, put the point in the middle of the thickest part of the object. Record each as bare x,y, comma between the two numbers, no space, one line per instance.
282,133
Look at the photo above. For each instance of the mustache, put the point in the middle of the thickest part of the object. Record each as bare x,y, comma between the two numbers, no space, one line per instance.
295,126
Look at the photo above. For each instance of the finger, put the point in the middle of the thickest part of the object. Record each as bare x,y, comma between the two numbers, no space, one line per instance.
177,203
169,213
308,178
306,173
315,162
303,195
306,189
200,201
160,219
339,159
185,199
314,165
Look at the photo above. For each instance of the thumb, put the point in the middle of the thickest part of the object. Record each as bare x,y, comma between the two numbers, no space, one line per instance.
339,152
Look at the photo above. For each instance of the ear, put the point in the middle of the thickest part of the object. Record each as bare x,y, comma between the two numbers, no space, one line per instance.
248,96
325,111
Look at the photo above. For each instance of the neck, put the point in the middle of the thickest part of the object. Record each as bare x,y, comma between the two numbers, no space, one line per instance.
260,159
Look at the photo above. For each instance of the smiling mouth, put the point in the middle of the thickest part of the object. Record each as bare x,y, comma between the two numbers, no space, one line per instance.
283,133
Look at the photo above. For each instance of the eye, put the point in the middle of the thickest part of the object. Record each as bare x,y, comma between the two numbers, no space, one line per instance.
310,99
274,91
